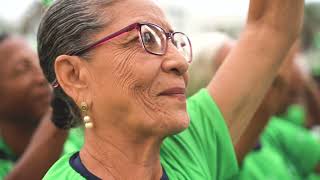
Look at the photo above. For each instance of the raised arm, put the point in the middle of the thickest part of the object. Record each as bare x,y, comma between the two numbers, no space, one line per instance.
242,81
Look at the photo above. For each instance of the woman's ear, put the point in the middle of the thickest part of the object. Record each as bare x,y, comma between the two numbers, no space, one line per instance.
72,75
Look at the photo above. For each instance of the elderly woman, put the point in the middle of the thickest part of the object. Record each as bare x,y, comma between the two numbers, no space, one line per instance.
120,66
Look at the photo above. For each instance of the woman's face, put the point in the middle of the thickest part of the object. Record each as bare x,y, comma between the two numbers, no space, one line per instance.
24,92
130,89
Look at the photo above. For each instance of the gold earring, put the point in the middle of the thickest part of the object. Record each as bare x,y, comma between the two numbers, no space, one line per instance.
86,118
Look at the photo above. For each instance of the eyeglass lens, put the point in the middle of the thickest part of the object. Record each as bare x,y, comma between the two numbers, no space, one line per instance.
155,41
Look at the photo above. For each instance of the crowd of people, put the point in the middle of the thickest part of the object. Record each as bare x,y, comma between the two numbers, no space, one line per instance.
105,97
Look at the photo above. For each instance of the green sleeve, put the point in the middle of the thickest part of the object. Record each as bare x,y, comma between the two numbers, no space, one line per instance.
204,150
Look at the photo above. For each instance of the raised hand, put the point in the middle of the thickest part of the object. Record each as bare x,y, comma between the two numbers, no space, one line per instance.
281,16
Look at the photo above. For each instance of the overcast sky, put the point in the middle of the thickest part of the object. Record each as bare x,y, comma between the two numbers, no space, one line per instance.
11,10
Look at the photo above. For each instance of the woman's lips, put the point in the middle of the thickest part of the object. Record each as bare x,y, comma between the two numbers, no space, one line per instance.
176,92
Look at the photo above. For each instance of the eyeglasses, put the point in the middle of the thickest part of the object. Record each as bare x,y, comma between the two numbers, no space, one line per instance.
153,38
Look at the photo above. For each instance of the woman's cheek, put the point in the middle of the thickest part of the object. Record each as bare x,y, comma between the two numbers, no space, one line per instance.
124,69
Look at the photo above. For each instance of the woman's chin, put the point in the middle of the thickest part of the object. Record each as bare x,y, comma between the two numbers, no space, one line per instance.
179,124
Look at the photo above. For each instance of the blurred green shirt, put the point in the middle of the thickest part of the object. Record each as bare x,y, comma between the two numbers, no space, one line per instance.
314,177
8,159
296,114
288,152
203,151
264,164
75,141
299,148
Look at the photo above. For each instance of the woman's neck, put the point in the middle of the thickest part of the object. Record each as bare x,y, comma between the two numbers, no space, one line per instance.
16,136
116,157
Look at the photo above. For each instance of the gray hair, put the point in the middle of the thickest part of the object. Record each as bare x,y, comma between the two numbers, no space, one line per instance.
66,28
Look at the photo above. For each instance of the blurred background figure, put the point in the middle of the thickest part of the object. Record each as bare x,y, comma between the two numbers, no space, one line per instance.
25,98
209,51
288,105
287,149
288,152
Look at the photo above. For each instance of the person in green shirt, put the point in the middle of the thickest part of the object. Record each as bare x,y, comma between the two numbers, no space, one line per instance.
296,114
264,163
298,147
122,71
25,96
287,151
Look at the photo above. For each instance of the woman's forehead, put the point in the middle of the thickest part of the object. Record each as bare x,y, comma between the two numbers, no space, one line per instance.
11,48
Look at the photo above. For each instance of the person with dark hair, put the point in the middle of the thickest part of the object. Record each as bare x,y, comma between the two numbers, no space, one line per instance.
25,95
24,140
122,71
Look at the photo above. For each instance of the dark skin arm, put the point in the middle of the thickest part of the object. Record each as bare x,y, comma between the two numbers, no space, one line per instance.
45,149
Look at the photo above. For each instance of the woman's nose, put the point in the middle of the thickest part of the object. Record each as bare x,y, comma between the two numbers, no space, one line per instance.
174,61
38,76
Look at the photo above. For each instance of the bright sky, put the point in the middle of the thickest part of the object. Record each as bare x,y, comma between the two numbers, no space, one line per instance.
11,10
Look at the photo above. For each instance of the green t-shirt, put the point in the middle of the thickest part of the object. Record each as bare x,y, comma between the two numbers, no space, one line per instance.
203,151
7,159
74,142
295,114
314,177
298,147
288,152
265,163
